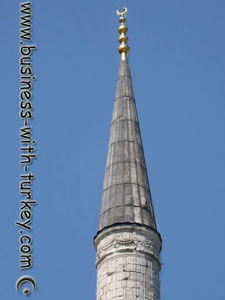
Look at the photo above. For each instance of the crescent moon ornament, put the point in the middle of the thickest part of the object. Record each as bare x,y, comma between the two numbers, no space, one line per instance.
26,279
121,13
123,39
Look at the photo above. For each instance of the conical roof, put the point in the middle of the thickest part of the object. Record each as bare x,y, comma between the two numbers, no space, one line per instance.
126,194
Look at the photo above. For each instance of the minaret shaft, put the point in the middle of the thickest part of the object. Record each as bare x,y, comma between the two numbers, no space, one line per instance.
128,263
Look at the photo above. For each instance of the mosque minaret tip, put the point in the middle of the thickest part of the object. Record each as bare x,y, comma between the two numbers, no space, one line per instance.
127,243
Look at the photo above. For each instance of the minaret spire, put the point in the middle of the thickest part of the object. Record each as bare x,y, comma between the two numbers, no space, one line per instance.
126,194
127,243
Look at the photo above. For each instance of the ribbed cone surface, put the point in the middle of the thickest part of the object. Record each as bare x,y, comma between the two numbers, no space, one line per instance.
126,194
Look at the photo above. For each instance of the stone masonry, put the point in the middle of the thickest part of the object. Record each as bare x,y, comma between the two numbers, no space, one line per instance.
128,263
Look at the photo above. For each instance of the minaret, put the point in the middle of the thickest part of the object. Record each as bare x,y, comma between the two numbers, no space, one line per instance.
127,243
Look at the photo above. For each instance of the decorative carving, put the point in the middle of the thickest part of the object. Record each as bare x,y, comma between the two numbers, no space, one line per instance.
120,241
127,240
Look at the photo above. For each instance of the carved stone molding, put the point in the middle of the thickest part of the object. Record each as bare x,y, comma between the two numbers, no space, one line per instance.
123,241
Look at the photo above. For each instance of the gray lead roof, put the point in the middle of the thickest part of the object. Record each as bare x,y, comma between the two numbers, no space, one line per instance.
126,196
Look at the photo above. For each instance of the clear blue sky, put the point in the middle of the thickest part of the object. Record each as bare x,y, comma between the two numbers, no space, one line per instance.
177,62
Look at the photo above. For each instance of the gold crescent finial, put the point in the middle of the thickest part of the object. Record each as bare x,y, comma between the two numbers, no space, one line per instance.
121,13
123,39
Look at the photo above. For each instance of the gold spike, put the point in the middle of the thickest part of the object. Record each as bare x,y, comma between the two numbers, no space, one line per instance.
123,39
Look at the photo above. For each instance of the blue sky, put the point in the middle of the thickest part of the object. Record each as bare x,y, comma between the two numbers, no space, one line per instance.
177,64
